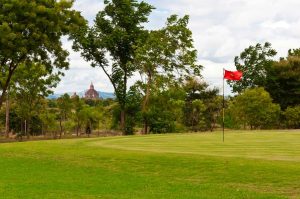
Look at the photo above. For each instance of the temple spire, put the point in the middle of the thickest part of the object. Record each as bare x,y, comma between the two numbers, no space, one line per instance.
91,93
92,86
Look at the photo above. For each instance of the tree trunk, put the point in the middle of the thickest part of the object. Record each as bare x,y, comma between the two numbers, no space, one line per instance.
7,117
6,84
123,105
77,128
61,128
123,120
26,129
146,102
43,129
145,126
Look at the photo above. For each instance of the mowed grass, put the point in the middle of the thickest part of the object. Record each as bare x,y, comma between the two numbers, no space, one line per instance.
257,164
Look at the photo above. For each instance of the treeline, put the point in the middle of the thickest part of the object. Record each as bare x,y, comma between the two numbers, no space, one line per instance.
181,107
268,95
170,95
62,117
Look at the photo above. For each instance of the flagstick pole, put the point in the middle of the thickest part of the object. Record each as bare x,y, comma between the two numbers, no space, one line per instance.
223,106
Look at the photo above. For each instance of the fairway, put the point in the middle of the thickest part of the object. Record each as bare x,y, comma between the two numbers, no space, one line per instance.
249,164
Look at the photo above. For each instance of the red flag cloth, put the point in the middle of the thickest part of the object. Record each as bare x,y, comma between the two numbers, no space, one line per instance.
233,75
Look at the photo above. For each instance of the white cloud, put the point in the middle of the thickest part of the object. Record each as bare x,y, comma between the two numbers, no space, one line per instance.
221,30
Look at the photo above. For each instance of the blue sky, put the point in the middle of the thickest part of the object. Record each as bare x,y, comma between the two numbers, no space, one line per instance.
221,30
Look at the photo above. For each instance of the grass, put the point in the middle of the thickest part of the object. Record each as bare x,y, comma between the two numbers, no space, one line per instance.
262,164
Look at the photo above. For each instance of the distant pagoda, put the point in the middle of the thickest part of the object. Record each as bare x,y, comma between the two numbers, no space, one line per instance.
91,93
74,95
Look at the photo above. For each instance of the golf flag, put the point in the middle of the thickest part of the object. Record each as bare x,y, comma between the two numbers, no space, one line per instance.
233,75
230,75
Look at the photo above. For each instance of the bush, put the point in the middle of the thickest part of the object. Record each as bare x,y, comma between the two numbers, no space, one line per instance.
254,108
292,117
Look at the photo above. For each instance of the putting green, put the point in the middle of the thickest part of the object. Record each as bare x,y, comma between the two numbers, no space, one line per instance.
268,145
258,164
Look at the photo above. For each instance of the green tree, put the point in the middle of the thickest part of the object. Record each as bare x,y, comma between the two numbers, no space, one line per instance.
65,106
31,30
31,84
116,33
208,110
253,62
283,80
292,116
78,105
166,54
165,110
254,108
48,119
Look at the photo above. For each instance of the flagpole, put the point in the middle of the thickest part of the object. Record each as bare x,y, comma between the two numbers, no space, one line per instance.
223,106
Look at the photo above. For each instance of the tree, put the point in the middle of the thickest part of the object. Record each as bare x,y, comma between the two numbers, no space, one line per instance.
166,54
48,123
32,82
65,105
116,32
197,118
31,31
202,105
254,108
292,116
283,80
78,106
253,62
88,117
165,110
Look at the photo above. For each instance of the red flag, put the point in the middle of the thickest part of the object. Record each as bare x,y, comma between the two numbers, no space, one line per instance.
233,75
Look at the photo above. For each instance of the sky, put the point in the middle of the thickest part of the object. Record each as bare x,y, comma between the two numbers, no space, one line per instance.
222,29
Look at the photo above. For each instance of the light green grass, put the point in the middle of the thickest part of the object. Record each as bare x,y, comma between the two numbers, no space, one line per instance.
262,164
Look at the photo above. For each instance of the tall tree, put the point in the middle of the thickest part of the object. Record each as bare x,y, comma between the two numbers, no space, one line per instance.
116,32
166,54
31,30
283,80
253,62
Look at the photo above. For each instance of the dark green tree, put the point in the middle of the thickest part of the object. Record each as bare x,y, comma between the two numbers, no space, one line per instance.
253,62
283,80
292,117
31,31
165,110
116,33
202,105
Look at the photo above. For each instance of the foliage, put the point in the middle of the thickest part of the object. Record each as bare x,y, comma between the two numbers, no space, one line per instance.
31,31
253,62
64,105
166,54
165,110
202,105
116,32
254,108
283,80
31,84
292,116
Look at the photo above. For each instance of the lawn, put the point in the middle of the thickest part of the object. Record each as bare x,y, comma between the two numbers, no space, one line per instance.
256,164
